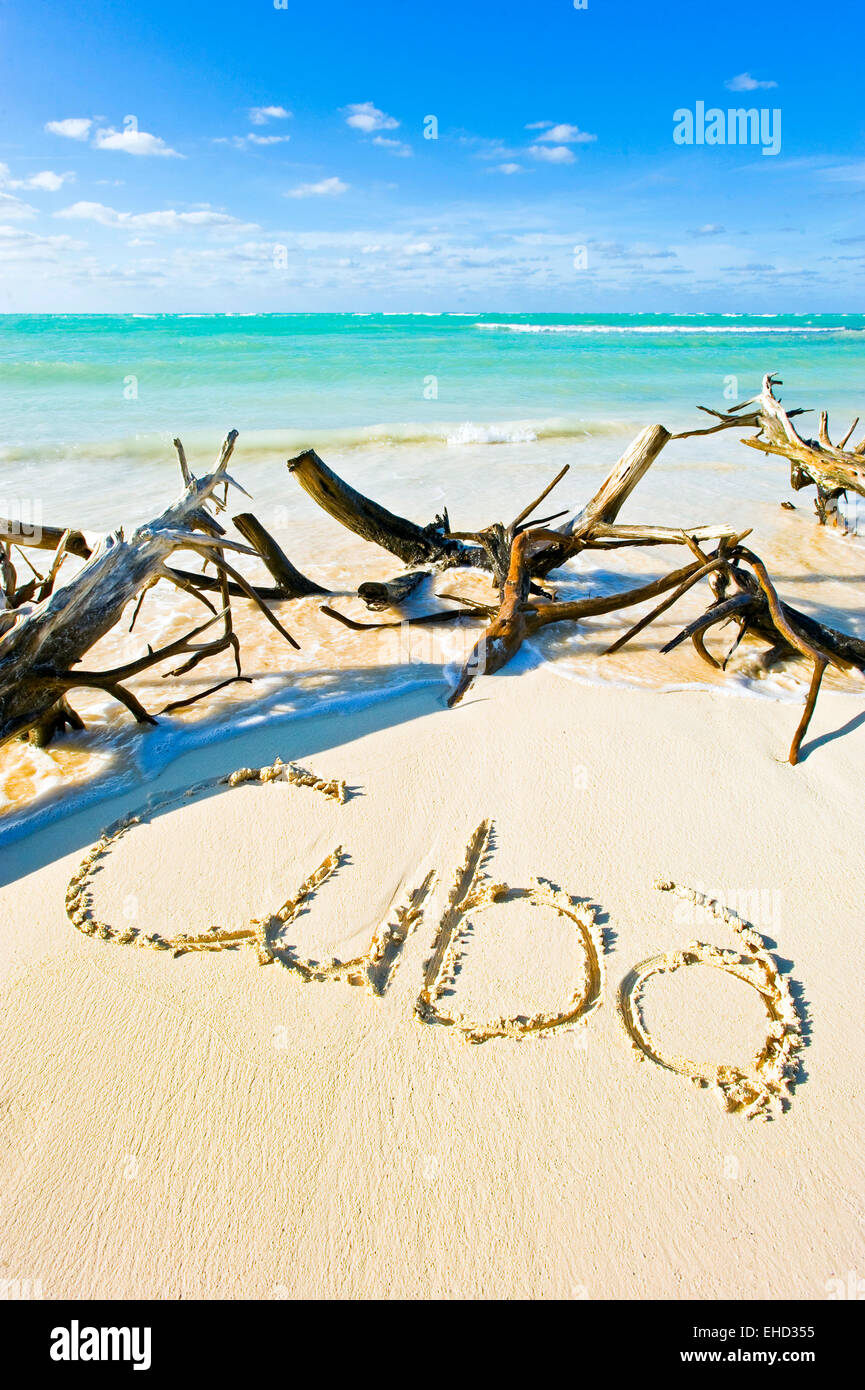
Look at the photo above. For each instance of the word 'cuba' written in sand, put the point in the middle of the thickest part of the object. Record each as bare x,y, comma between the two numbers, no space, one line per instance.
758,1088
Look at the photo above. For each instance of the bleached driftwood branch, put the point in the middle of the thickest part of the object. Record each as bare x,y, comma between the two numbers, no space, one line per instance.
832,468
41,651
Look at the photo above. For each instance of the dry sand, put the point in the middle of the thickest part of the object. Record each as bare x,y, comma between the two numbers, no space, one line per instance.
203,1126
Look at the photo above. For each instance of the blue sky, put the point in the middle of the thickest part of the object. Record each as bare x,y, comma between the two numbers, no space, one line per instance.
236,156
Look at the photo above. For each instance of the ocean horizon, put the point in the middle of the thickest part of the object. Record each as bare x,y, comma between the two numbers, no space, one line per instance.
77,381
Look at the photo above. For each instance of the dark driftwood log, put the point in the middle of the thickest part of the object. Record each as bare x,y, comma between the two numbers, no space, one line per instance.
390,593
413,544
290,582
518,553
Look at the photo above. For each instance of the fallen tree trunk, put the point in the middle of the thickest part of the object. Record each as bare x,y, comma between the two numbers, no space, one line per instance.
39,654
413,544
438,547
289,580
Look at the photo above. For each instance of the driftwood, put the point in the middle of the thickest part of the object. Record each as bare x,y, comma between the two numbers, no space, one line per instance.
46,628
41,651
523,553
833,469
390,593
757,609
413,544
290,583
439,548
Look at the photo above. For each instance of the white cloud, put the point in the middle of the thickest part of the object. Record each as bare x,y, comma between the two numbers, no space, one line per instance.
19,245
107,138
74,128
242,142
709,229
397,147
366,117
845,173
47,181
167,219
260,115
324,188
489,149
562,134
509,168
746,83
552,154
13,207
133,142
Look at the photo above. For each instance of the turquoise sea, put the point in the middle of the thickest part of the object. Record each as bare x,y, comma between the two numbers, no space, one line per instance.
76,381
473,411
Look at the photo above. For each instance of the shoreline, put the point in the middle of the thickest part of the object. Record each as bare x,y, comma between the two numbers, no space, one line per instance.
178,741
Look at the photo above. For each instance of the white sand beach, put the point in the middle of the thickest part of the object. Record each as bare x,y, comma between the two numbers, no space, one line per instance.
203,1126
